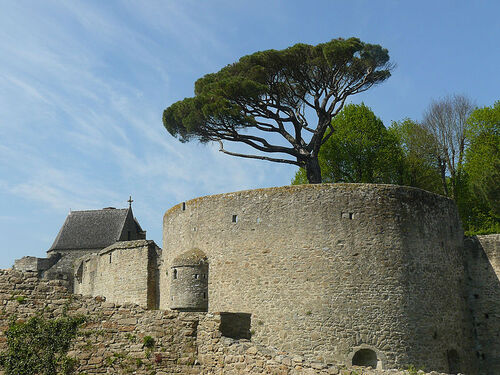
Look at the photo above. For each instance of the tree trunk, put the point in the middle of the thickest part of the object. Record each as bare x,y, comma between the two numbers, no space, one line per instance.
313,171
442,170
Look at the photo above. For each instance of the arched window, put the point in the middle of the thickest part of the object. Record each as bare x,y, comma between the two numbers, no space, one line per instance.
365,357
175,273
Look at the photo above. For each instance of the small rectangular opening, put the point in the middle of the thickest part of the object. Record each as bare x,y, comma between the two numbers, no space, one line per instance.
183,206
196,276
109,258
235,218
235,325
347,215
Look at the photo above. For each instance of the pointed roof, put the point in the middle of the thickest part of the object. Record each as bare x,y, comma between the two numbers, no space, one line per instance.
91,229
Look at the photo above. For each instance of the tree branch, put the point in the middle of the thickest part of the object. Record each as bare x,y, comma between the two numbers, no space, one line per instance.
286,161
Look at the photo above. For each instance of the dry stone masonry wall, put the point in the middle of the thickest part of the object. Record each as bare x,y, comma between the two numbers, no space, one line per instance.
296,280
123,272
483,274
328,270
220,355
112,339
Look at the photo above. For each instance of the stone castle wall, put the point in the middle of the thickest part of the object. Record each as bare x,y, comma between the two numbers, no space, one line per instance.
126,271
34,264
111,340
63,269
325,270
483,275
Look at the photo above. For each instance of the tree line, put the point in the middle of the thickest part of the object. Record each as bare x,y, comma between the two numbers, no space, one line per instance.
453,151
289,106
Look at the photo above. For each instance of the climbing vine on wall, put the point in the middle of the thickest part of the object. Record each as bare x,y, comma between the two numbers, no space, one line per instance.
40,345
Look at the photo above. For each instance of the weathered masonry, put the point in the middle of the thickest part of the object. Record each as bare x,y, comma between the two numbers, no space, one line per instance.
483,296
352,273
189,286
124,272
111,339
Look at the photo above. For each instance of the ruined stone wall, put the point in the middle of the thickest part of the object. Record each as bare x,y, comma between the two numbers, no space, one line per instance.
325,270
111,341
123,272
483,266
34,264
64,268
221,355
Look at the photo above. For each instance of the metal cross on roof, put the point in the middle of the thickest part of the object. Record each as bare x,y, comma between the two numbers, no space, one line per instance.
130,200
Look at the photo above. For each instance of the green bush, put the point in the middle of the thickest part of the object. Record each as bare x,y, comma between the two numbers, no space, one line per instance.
39,346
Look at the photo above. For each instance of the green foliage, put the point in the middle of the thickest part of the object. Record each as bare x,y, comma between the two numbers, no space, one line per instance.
131,337
480,208
413,370
266,94
39,345
123,363
359,150
419,148
483,155
20,299
148,342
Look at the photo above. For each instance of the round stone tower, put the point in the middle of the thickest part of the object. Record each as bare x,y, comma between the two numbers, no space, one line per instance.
189,282
353,273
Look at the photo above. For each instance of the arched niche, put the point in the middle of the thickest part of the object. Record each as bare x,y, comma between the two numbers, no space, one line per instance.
366,356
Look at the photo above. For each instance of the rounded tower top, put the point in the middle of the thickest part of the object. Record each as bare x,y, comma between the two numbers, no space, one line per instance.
193,257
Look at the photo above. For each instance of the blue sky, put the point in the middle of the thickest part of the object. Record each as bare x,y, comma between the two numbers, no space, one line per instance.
83,85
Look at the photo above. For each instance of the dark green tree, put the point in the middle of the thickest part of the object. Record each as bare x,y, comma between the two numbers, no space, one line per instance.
359,150
279,102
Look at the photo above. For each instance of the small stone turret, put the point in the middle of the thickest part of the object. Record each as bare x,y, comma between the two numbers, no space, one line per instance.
189,282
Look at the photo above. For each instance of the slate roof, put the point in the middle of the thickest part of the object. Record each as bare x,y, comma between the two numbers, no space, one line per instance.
91,229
